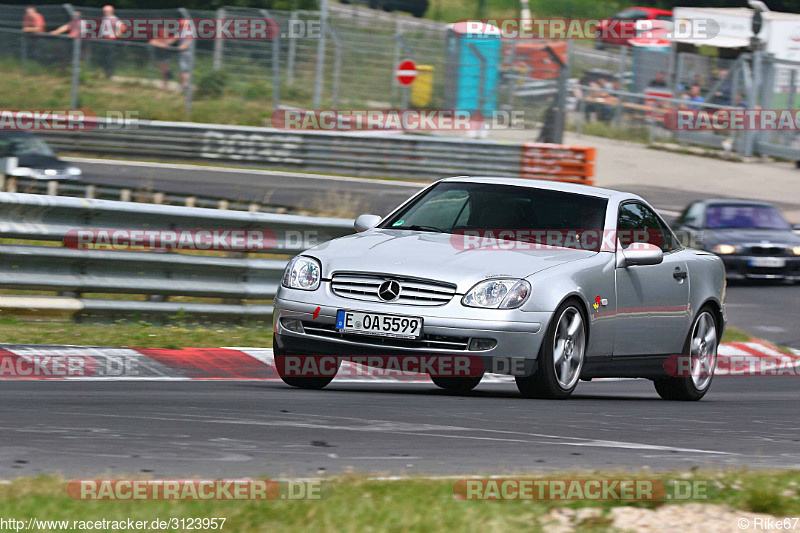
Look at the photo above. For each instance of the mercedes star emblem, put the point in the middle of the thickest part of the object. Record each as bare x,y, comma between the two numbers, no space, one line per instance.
389,291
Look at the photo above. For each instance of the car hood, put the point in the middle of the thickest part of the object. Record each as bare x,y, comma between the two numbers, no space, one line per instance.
751,236
437,256
42,162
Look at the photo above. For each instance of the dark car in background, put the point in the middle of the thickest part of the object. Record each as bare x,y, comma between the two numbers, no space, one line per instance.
753,239
415,7
619,29
34,158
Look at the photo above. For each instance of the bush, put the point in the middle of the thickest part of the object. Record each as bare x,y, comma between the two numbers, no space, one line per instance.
211,84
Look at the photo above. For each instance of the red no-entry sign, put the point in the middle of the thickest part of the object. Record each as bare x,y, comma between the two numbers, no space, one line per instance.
406,72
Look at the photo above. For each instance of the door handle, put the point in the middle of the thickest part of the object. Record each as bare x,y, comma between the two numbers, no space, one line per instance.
680,274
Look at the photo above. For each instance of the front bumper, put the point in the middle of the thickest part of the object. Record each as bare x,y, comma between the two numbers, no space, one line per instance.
742,267
447,330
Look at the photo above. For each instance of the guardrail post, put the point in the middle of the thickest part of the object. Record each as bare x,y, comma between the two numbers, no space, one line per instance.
2,182
254,208
52,188
11,185
125,195
218,43
223,204
91,191
158,198
191,201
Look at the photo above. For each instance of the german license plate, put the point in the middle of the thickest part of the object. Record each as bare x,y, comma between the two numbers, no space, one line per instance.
401,327
768,262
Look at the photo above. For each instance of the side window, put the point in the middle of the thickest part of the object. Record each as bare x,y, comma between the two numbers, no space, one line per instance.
693,216
443,211
638,223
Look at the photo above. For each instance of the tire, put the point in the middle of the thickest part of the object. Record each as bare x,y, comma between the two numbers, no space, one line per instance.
552,379
457,385
309,383
692,388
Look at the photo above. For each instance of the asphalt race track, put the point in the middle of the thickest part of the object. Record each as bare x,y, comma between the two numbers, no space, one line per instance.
228,429
766,310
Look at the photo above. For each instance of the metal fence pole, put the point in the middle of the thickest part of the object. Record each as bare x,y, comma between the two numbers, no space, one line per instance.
218,43
755,92
320,67
398,36
76,63
190,82
337,66
292,49
276,65
76,72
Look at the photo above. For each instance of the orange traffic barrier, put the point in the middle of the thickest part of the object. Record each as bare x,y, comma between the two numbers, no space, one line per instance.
558,162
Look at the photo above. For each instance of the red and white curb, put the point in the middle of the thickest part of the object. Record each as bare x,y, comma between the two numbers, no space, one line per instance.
33,361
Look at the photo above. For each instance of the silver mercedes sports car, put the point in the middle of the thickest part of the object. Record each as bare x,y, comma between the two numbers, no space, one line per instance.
549,282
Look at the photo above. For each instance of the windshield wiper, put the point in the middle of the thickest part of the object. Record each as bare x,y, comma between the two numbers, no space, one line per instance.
415,227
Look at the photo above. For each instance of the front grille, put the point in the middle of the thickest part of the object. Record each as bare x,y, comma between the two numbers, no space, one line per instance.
435,342
771,251
414,291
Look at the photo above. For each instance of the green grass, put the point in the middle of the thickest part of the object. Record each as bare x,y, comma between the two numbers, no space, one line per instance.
354,503
735,335
141,335
31,87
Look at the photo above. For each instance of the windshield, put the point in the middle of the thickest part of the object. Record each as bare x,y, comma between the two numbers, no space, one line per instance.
744,216
24,145
507,211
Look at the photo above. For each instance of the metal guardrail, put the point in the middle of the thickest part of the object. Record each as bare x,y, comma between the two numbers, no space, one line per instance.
81,189
158,275
399,155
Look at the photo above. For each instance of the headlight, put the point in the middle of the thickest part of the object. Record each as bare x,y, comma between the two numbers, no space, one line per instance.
725,249
73,171
498,294
795,250
22,172
302,273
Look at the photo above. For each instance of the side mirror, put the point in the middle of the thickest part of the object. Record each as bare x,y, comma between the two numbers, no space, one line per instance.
365,222
641,254
796,227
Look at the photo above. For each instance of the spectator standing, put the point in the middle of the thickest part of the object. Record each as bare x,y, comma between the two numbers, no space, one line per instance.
186,52
71,28
164,53
695,96
111,27
658,81
32,24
